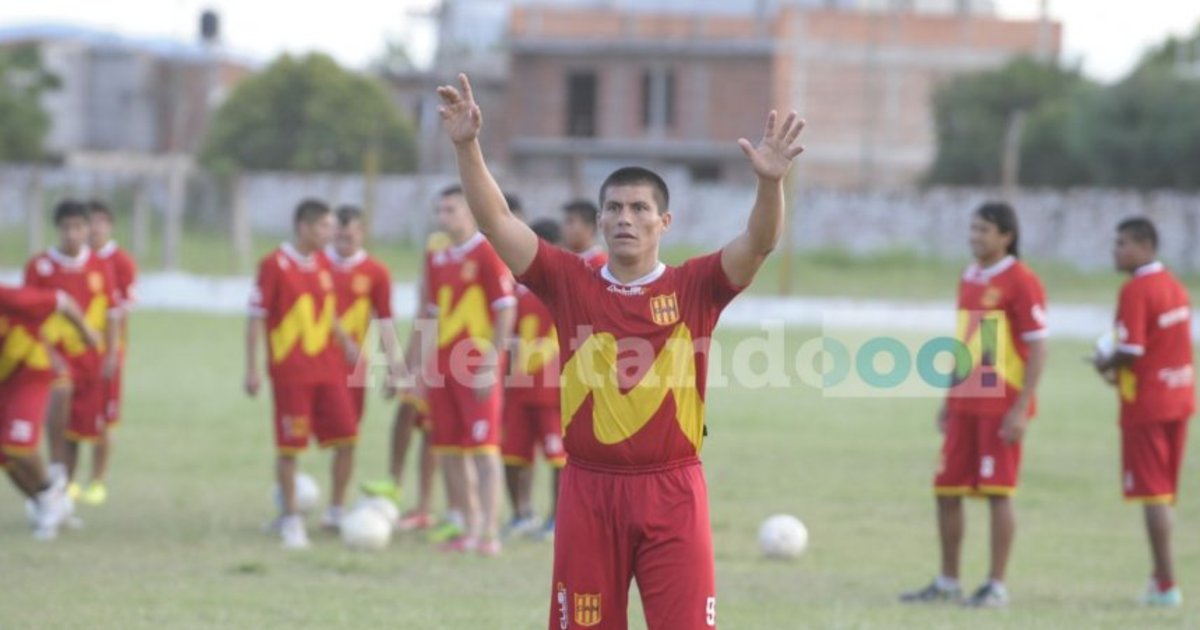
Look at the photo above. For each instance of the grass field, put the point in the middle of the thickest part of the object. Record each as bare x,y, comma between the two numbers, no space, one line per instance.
178,545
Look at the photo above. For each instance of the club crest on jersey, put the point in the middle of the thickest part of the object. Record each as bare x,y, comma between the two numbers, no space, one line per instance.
469,270
587,609
95,281
990,298
326,281
664,309
360,284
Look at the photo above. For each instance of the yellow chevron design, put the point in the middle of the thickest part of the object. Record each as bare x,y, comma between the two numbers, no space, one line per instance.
534,352
58,331
1127,384
302,325
469,314
1008,363
20,347
356,319
616,417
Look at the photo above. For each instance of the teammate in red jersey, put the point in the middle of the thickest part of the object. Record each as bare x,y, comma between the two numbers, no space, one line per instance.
1002,320
26,375
633,503
470,292
1153,370
124,273
579,232
364,295
294,300
74,268
532,417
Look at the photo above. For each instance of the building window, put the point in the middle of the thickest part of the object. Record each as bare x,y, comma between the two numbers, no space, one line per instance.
581,104
658,98
705,171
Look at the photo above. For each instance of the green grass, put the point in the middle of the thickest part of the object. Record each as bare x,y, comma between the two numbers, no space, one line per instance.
178,544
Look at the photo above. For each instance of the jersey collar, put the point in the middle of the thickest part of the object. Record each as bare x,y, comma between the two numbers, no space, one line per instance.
289,250
109,249
73,262
658,271
981,274
352,260
1149,268
465,248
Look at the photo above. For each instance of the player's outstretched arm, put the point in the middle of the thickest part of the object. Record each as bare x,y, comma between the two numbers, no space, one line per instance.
770,159
462,119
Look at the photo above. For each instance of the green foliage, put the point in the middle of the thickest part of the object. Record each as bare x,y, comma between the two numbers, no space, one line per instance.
23,123
308,114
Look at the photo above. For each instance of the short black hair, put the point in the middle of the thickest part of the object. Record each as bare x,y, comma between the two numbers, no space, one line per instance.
96,206
548,230
70,209
346,214
634,175
450,191
309,211
514,204
583,209
1002,215
1141,230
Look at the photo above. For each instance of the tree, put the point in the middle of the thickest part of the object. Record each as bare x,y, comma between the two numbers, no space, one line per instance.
23,122
973,111
309,114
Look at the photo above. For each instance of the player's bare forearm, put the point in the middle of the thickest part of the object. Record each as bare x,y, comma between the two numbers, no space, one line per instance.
744,255
253,328
514,241
111,335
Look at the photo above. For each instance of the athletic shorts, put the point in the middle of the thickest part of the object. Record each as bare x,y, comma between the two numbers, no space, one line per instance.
312,410
461,422
23,401
616,524
1151,458
88,418
530,427
975,460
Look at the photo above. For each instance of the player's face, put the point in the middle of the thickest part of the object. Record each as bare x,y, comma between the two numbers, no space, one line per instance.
631,223
72,234
349,238
987,241
315,234
101,230
577,234
1129,254
454,217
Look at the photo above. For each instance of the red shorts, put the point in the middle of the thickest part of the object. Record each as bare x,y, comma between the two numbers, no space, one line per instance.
88,418
975,460
308,410
23,403
461,422
1151,458
615,525
528,427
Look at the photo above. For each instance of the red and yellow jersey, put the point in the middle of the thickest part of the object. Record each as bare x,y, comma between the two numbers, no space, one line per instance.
1001,309
124,272
23,311
595,257
364,292
635,356
1154,323
465,286
534,365
89,281
295,296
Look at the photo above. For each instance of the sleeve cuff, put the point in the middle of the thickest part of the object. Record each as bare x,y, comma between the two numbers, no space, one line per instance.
1036,335
1128,348
504,302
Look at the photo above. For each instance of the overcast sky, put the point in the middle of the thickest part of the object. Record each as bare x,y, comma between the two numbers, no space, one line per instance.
1107,35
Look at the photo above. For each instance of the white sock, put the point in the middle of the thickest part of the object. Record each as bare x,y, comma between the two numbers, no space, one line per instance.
997,584
334,513
946,583
57,473
456,517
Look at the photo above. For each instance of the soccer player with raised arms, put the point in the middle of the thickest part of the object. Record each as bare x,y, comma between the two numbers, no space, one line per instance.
1002,320
633,503
1153,371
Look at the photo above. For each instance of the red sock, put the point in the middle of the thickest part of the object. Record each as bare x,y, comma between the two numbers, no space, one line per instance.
1164,585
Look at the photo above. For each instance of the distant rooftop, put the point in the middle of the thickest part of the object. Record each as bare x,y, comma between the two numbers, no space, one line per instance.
164,47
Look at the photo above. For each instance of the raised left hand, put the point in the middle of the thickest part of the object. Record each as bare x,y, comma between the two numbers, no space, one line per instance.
773,156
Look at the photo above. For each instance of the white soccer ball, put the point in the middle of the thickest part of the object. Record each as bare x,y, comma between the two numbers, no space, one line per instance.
1106,345
782,537
366,529
384,506
308,494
